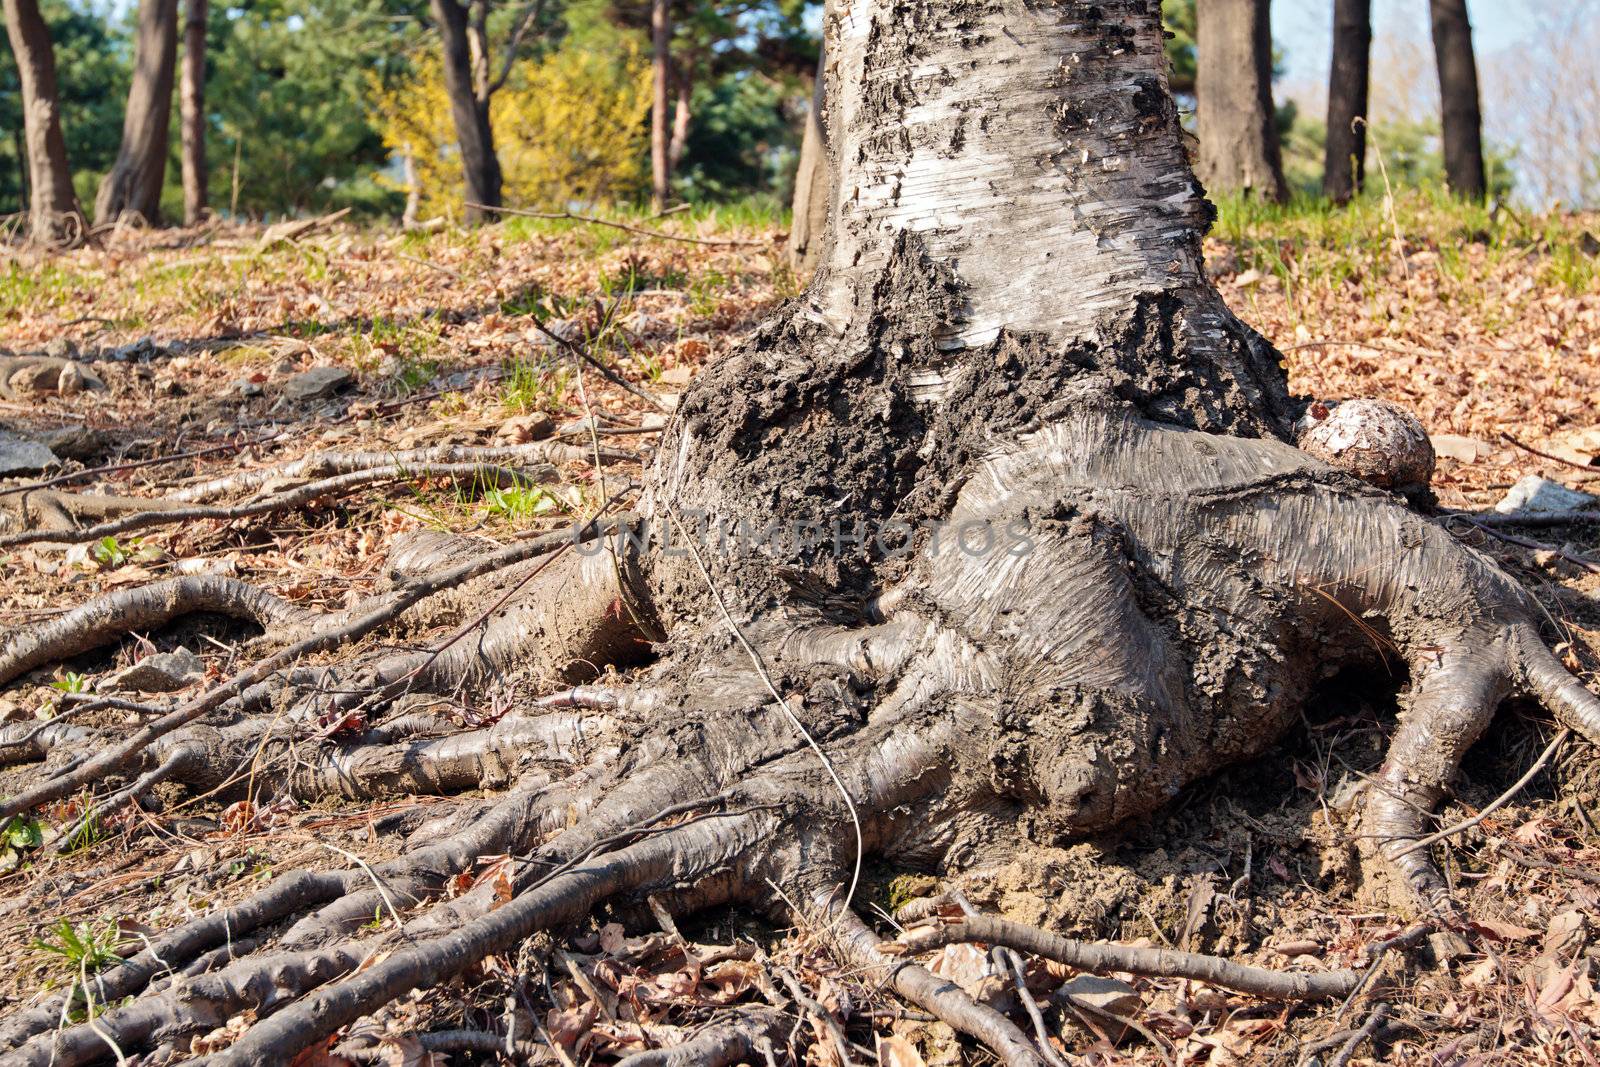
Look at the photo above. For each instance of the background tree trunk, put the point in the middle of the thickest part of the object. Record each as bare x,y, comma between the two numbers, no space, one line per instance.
133,187
19,145
192,105
660,143
808,227
1239,149
1344,164
683,91
479,164
408,163
53,212
1458,98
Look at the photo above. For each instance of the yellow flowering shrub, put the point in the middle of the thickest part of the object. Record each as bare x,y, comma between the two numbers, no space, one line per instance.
413,118
569,128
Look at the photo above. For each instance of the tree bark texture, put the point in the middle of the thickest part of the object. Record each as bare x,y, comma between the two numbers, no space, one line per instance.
660,102
465,68
192,111
1458,98
809,223
133,187
53,212
1344,161
1239,151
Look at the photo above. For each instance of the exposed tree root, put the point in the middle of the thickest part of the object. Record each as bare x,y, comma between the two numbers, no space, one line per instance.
146,607
1105,959
738,1038
49,511
677,855
166,513
136,747
937,995
903,704
51,515
182,947
321,465
480,1041
187,1005
22,377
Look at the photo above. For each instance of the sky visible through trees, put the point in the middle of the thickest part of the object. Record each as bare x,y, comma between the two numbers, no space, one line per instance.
1404,89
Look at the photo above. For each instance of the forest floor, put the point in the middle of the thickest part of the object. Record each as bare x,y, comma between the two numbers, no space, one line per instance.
1485,323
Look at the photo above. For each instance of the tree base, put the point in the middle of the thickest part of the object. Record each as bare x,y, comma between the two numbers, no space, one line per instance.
1163,603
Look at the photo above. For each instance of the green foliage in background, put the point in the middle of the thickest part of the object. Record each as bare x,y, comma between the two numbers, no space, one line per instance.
302,102
285,92
1177,16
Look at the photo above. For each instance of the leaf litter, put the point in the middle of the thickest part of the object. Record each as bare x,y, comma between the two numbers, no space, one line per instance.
196,340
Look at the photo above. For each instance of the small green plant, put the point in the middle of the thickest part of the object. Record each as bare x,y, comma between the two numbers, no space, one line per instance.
85,946
412,375
649,366
111,553
520,502
85,835
18,836
71,682
108,553
1570,267
704,294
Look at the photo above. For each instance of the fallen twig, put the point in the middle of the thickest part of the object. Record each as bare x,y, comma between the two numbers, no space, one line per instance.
1546,455
1538,546
298,228
1011,963
1527,518
1380,1013
119,468
610,375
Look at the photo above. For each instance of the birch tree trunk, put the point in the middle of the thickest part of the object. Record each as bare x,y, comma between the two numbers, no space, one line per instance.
53,213
1239,151
133,187
1344,161
1458,98
192,111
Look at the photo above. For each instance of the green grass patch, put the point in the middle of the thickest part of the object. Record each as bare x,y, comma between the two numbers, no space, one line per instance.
534,385
82,947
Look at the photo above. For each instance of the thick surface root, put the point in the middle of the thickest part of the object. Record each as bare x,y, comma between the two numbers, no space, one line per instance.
147,607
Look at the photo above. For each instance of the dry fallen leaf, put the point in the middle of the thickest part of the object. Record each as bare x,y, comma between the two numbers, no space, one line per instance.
405,1050
1504,931
898,1052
